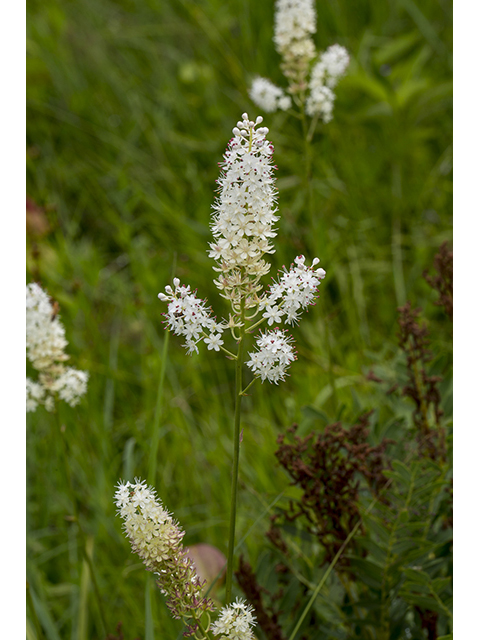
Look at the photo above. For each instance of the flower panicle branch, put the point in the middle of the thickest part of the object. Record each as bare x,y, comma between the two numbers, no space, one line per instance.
46,342
190,317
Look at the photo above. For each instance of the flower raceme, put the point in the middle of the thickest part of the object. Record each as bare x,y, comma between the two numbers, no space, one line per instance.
157,538
243,219
45,350
244,214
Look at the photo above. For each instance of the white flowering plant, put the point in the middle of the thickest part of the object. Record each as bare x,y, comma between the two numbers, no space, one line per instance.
243,226
46,344
312,76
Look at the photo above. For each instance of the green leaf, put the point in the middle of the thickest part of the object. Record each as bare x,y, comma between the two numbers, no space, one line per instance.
402,470
369,572
417,576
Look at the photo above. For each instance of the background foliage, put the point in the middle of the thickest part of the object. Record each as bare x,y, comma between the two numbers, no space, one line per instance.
130,106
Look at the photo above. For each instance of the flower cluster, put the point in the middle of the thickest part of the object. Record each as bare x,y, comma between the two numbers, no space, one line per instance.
295,23
274,354
295,290
189,317
45,350
325,75
268,96
157,539
244,213
234,622
243,224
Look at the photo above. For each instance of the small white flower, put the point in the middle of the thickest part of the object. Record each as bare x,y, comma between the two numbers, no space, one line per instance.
325,75
214,341
273,314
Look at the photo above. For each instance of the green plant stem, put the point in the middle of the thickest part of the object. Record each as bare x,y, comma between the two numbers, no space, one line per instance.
236,456
33,613
83,541
152,458
308,168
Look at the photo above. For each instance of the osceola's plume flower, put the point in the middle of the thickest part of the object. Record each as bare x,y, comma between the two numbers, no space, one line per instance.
244,214
234,622
243,219
268,96
295,290
45,350
311,86
275,353
189,317
157,538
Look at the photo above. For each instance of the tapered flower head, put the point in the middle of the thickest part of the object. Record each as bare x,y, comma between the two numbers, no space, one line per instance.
157,538
244,213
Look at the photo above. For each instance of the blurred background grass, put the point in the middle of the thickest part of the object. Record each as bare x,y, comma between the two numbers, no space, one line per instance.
130,107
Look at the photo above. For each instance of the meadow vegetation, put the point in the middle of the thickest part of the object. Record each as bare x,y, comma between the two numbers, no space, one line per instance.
130,107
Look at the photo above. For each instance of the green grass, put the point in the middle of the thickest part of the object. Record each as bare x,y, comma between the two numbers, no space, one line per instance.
130,107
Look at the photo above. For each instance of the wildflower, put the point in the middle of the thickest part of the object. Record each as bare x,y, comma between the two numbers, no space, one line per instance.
325,75
273,356
244,213
157,539
189,317
235,621
296,289
45,350
268,96
311,88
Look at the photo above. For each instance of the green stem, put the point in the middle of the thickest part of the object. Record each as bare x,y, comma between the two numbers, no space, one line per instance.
248,387
152,459
83,541
308,169
236,456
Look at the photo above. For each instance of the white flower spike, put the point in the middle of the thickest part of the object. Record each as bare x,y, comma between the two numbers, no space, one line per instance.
45,350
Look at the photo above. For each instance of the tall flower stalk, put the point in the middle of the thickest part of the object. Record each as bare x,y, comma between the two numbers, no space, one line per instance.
244,215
